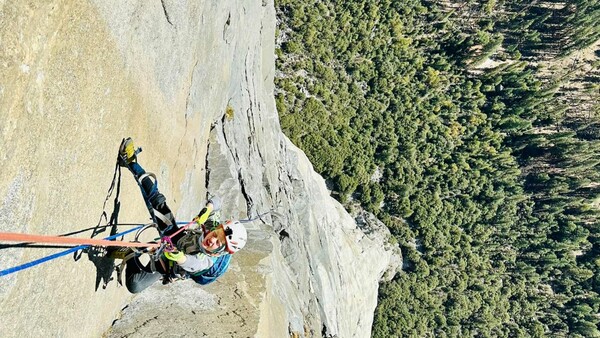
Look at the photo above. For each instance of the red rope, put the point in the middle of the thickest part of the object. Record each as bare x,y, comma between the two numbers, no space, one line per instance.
18,237
182,228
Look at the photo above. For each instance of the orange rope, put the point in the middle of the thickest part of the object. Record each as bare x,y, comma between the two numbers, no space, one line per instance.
17,237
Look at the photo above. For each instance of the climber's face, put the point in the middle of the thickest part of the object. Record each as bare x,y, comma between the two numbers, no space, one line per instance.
214,242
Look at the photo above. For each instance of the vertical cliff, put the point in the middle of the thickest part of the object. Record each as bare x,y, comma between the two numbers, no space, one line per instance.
192,83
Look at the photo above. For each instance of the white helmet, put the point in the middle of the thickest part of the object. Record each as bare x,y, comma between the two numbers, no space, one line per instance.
235,235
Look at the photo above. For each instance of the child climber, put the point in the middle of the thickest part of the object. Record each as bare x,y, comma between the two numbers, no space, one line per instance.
202,254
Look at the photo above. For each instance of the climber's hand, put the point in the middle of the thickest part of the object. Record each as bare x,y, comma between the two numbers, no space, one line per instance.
203,214
175,256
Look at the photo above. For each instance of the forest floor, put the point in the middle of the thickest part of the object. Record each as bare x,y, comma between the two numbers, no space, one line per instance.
580,76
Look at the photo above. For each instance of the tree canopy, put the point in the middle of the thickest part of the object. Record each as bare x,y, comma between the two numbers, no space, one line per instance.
438,117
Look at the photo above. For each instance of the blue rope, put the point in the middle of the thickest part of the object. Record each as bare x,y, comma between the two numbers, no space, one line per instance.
59,254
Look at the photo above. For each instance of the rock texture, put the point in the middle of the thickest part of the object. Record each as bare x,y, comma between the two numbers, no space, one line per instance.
192,83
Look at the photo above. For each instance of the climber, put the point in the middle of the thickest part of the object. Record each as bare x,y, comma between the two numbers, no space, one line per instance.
202,254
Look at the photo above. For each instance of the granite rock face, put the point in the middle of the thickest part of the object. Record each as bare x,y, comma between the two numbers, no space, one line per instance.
192,83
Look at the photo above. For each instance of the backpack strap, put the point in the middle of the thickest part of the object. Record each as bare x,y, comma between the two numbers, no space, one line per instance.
220,266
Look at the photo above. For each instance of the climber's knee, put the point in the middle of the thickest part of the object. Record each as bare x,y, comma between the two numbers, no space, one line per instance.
157,200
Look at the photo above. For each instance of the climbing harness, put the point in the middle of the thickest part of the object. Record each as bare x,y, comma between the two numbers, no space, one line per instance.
154,251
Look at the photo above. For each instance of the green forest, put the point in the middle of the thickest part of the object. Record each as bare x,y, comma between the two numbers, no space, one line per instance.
472,130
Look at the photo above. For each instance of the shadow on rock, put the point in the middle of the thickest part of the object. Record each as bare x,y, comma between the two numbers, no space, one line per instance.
100,256
105,266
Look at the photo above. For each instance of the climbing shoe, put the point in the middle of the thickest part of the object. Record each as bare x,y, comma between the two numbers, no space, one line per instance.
127,152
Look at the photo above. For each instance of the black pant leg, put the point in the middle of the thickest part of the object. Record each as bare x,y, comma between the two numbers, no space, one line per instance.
139,278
